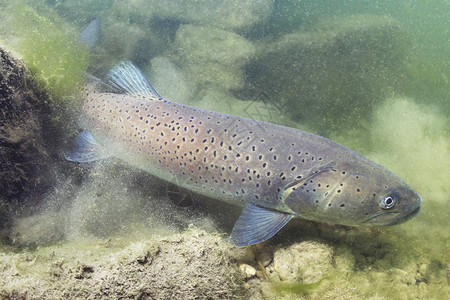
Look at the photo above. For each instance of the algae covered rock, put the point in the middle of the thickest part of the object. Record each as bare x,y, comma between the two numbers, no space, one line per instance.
307,262
212,58
192,265
23,153
30,147
335,71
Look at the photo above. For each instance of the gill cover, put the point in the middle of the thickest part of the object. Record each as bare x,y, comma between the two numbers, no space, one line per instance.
304,195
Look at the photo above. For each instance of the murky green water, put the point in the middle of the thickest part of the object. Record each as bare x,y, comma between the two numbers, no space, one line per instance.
372,75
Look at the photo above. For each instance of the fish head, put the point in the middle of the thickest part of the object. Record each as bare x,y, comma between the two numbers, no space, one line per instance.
353,194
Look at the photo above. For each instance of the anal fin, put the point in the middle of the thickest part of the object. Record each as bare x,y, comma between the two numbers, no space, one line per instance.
257,224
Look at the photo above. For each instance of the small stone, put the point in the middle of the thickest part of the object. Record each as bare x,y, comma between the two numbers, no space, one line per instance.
247,270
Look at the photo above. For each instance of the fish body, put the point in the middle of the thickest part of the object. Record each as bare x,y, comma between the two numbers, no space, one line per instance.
274,172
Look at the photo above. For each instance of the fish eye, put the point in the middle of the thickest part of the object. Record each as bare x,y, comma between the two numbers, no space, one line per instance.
388,202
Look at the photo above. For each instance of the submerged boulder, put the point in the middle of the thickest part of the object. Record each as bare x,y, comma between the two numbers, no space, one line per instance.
334,72
307,262
150,25
211,58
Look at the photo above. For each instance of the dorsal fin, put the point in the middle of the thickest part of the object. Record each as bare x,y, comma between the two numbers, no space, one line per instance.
127,78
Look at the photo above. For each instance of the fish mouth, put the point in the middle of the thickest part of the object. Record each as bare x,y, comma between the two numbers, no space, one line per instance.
380,214
405,218
396,221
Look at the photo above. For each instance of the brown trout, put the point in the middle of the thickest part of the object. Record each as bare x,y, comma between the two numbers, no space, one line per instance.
274,172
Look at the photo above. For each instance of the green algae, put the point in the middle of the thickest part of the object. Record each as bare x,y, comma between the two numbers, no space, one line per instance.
47,45
296,288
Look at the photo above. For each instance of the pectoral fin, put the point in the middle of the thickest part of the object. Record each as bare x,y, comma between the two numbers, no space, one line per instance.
86,149
257,224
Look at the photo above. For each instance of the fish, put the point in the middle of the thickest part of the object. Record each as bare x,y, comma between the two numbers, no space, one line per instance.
274,172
